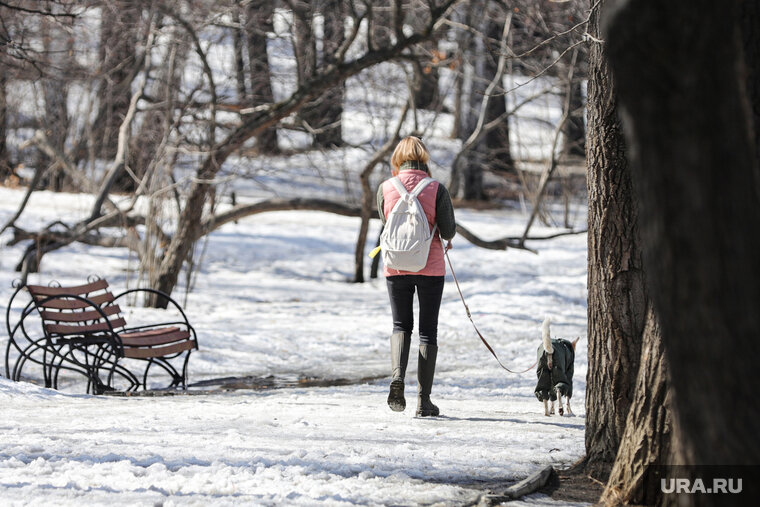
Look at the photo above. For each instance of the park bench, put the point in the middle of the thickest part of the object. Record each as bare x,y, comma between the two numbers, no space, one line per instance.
82,329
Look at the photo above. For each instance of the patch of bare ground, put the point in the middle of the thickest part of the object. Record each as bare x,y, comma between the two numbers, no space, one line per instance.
573,485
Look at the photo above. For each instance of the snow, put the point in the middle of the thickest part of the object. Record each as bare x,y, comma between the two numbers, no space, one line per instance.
273,298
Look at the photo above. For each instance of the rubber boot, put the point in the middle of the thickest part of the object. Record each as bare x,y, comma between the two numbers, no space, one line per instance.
400,343
425,374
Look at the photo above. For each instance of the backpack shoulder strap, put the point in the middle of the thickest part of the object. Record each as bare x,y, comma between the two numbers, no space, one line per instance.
421,186
400,188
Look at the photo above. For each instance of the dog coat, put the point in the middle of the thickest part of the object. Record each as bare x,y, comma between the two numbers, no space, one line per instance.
560,376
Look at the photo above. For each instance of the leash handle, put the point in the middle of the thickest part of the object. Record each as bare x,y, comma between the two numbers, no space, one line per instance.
469,316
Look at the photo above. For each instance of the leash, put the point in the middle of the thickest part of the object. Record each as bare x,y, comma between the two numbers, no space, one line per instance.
469,316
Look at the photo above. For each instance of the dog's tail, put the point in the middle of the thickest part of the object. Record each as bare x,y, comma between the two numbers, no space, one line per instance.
547,336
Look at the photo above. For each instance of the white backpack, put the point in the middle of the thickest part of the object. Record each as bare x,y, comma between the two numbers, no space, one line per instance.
405,241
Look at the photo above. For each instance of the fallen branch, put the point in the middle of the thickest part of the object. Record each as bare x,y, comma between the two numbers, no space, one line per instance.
529,485
91,239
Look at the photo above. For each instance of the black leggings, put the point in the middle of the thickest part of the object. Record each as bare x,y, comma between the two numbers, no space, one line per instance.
429,291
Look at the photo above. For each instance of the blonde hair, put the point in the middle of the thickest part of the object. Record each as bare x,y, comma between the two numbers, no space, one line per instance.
409,148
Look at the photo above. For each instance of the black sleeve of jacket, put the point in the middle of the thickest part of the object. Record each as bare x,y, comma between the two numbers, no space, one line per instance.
444,213
381,203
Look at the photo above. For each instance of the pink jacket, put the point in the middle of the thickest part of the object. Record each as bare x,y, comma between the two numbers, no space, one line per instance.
435,265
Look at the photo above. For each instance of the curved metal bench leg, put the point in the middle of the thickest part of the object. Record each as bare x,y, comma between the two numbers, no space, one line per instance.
184,370
107,356
167,367
11,341
145,374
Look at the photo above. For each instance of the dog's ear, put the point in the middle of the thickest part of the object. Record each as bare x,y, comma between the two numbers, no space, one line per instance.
574,342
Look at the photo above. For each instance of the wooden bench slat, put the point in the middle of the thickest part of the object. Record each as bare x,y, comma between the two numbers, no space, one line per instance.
73,304
157,339
148,332
85,316
63,329
43,290
147,353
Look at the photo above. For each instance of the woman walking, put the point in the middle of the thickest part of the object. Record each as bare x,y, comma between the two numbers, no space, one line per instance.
410,169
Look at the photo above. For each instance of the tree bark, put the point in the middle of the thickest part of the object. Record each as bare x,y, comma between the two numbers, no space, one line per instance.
646,441
750,30
617,301
679,73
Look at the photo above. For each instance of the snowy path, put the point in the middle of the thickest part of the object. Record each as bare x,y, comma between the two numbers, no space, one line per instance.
341,446
273,299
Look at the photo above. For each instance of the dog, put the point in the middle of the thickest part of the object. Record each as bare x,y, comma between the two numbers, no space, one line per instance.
555,371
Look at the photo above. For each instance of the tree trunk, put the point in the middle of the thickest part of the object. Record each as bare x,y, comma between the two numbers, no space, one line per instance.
258,23
145,147
687,117
55,88
238,46
646,441
323,116
574,130
426,94
381,24
118,40
751,44
366,213
5,159
330,108
472,164
617,300
497,143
